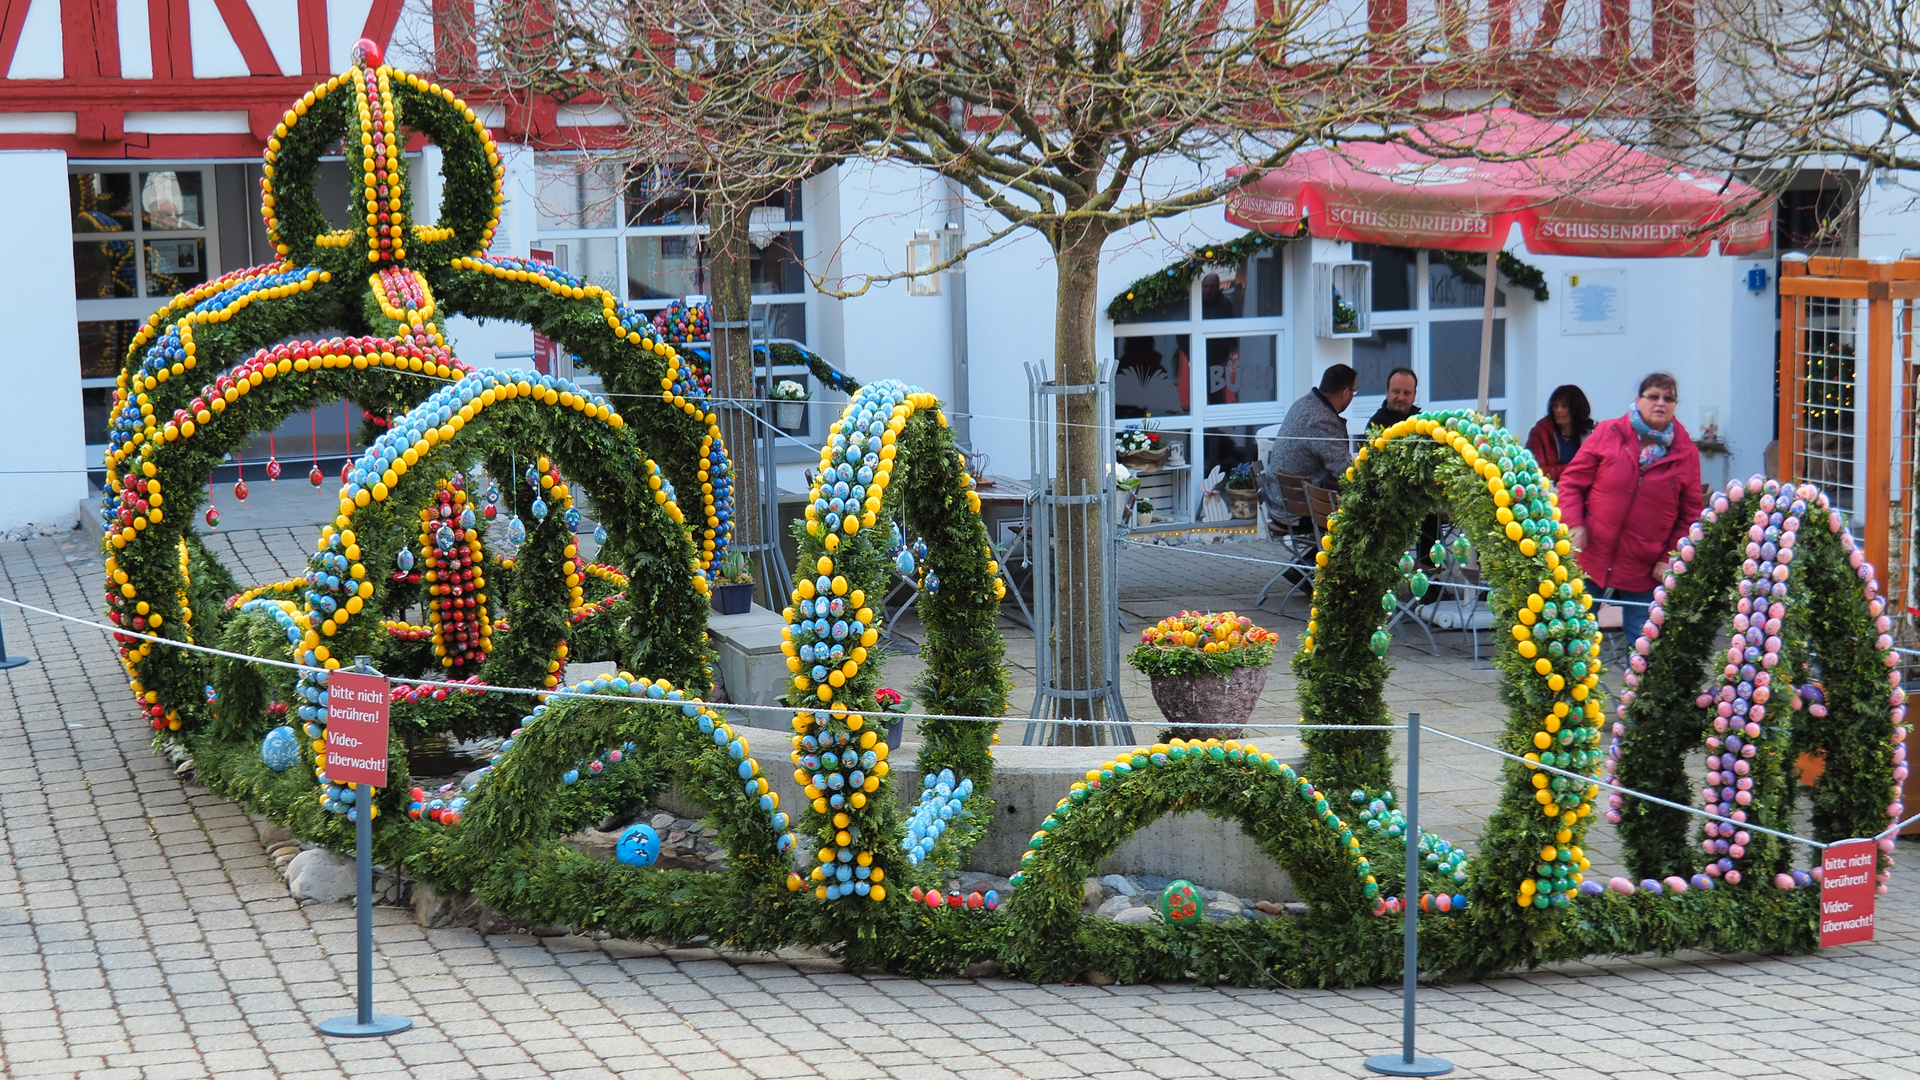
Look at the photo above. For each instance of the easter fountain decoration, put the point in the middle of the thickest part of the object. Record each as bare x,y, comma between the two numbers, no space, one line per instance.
850,868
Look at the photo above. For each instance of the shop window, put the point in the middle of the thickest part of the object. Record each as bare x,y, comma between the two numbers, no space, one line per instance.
1448,287
664,267
174,266
1248,291
1375,357
103,347
1241,369
171,201
775,264
785,321
594,258
660,195
1420,308
96,410
576,192
1396,274
1454,361
1229,447
101,202
1152,377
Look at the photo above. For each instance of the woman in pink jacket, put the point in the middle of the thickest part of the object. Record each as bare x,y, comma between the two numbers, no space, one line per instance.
1631,492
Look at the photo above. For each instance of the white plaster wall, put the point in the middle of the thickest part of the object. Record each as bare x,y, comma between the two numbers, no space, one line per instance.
885,333
1679,319
42,456
215,55
39,54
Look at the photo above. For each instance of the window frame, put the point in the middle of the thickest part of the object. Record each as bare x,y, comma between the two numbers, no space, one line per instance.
1420,320
1201,417
139,308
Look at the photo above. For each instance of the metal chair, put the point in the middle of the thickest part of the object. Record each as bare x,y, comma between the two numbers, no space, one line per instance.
1293,501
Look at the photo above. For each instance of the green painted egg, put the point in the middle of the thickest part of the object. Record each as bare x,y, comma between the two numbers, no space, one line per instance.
1180,902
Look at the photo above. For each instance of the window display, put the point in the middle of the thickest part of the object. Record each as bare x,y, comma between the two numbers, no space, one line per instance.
1152,376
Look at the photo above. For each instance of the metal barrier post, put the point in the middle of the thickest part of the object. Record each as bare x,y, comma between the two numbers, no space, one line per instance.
1406,1063
8,662
365,1023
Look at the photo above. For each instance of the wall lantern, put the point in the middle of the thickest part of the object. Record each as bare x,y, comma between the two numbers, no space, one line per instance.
923,253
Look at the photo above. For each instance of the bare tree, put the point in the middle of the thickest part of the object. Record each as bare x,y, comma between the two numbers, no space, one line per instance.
1074,119
714,117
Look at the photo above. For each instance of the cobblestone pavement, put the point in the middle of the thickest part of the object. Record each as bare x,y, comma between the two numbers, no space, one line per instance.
143,933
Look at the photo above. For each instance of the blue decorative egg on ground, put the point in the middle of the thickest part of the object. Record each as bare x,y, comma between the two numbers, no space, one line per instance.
638,846
280,749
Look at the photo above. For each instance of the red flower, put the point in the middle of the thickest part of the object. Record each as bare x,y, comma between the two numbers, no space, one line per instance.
886,697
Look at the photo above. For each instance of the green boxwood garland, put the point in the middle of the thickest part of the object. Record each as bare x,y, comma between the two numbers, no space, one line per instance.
1829,635
1172,284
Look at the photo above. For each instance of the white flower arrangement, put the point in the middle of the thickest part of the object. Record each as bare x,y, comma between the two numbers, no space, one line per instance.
788,390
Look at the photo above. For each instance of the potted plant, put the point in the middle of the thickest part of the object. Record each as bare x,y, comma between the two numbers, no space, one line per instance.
1345,319
1206,668
1142,512
790,405
733,594
892,701
1243,491
1139,449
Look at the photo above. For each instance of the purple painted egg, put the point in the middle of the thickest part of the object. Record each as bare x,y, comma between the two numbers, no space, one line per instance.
1652,886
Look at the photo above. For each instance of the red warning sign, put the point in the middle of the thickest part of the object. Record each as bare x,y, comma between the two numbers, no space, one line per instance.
1846,893
356,728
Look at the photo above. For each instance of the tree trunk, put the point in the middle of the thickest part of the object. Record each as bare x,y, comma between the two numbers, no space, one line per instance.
1080,625
729,265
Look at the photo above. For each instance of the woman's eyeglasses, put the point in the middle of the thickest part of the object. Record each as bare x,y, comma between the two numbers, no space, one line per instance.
1661,399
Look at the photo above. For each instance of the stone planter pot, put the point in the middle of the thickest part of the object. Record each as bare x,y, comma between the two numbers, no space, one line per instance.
1188,700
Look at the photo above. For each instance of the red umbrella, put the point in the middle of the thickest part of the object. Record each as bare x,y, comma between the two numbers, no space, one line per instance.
1570,193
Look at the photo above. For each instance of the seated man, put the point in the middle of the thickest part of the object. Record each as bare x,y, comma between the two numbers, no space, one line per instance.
1312,442
1402,386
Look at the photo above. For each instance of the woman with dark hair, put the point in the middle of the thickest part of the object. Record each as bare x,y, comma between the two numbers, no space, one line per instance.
1558,435
1631,492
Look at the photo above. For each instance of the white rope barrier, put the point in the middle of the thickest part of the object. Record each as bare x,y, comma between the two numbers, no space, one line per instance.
883,715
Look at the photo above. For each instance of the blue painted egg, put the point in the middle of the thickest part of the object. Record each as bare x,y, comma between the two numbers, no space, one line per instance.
280,749
638,846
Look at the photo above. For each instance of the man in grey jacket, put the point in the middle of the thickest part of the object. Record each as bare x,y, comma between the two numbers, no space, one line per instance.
1312,441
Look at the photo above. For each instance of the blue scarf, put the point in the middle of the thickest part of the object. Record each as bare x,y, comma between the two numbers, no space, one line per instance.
1650,452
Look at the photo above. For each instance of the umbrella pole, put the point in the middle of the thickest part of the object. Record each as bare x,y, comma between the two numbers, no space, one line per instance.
1486,328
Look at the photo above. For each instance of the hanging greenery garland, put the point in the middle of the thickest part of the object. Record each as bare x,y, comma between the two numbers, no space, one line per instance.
1174,283
1516,272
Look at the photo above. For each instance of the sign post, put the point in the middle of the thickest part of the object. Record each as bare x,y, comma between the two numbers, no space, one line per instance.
357,754
1846,892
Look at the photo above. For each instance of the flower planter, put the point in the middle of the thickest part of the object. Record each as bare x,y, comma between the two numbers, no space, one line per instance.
1243,503
733,599
789,416
1144,460
1191,700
